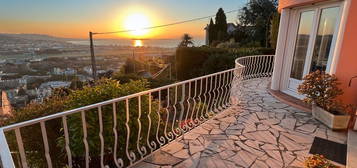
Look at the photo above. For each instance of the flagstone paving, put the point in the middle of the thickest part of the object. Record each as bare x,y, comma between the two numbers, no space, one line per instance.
258,132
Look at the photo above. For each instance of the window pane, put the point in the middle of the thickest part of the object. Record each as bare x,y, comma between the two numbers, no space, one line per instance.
326,29
302,42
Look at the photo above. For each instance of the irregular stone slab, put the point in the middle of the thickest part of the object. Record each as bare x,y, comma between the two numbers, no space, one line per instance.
269,147
223,125
263,115
259,164
200,130
228,119
290,144
275,154
173,147
195,146
288,123
191,162
249,149
307,128
271,121
191,136
215,137
183,154
262,127
216,131
274,163
233,132
243,158
162,158
288,158
299,137
263,136
226,154
145,165
236,127
253,144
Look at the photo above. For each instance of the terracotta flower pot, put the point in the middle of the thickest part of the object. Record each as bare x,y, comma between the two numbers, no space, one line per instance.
335,122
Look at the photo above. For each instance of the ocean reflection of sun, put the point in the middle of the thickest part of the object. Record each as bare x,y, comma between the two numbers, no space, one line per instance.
138,43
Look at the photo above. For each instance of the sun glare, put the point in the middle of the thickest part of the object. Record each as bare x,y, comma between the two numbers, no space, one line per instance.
137,22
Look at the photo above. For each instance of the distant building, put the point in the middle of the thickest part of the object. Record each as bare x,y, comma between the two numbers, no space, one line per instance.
67,71
231,27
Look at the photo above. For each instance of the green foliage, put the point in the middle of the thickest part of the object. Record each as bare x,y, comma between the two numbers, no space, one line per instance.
218,31
198,61
190,59
274,29
103,90
321,89
257,15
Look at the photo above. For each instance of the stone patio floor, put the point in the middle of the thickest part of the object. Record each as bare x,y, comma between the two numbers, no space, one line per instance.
258,132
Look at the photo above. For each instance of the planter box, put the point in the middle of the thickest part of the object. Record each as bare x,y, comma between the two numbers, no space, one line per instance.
335,122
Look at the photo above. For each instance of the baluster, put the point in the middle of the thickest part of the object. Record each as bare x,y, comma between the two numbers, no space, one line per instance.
66,138
205,101
214,84
201,105
118,162
131,155
160,140
151,145
141,150
194,121
168,136
6,159
188,122
20,145
209,109
45,144
173,130
86,147
101,136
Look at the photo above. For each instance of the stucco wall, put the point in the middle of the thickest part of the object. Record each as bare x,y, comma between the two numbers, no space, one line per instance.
347,64
294,3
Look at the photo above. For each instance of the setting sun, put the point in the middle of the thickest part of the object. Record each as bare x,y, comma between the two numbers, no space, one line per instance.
137,22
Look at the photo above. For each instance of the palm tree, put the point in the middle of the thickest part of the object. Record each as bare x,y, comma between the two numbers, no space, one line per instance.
186,41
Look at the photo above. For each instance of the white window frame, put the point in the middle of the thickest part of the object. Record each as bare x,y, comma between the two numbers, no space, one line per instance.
294,20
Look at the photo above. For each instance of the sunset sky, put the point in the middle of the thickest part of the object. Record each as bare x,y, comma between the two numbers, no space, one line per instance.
74,18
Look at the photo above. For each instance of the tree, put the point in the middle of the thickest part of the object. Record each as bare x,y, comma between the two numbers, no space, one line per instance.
221,25
274,29
257,13
186,41
212,33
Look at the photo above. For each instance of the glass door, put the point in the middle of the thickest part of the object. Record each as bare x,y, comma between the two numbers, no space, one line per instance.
301,49
314,43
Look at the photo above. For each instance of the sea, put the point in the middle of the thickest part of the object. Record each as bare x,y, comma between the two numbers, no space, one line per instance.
164,43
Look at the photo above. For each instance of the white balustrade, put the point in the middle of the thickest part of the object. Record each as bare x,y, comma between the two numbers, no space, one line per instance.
170,111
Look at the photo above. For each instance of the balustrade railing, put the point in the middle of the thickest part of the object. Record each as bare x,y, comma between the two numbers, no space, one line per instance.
122,131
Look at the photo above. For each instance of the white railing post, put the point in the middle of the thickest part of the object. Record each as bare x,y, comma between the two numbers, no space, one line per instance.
5,154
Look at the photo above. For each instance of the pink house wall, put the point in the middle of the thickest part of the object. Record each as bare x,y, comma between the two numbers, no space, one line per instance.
294,3
347,63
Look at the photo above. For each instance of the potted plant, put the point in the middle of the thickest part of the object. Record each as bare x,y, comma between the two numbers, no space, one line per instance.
321,90
318,161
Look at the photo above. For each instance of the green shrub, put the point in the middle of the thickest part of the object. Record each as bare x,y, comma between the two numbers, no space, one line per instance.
104,89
